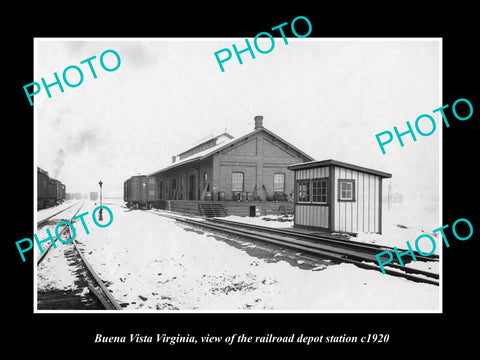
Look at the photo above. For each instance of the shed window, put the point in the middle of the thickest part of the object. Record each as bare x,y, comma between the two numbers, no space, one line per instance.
346,190
319,191
312,191
279,182
237,181
303,191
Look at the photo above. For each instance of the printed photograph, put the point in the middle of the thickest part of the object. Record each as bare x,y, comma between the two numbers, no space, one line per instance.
209,175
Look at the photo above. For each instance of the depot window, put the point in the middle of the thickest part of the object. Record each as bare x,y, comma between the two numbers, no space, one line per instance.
237,181
279,182
346,190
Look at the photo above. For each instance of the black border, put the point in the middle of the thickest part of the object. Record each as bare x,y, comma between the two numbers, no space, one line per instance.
410,334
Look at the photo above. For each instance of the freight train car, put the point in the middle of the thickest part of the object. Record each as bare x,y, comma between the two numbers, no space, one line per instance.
49,191
140,191
93,195
63,194
54,190
42,188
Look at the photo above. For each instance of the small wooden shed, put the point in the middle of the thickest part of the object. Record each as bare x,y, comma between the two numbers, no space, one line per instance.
337,196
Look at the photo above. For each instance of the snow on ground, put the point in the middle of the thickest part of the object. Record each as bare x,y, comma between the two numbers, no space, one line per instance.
44,213
273,221
54,271
404,223
154,263
394,235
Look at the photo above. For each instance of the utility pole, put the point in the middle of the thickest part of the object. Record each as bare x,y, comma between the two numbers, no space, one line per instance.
100,217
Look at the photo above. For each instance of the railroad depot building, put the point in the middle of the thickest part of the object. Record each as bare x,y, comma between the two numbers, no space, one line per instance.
252,168
337,196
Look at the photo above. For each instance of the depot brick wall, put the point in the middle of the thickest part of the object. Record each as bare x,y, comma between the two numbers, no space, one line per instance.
259,158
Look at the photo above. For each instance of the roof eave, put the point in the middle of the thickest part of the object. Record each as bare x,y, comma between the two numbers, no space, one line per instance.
312,164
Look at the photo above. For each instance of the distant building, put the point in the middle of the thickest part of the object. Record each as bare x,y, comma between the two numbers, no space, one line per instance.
397,197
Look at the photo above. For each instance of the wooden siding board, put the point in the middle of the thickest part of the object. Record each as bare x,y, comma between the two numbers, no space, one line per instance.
295,197
365,201
348,205
337,204
371,203
312,173
311,215
360,202
331,197
380,191
357,174
301,215
378,199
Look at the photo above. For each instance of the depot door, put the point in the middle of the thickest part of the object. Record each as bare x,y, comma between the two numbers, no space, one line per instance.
191,187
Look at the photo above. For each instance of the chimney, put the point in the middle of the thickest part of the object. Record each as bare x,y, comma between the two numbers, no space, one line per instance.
258,122
174,158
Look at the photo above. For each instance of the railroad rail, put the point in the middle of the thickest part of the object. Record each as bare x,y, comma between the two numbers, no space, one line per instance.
103,295
339,250
43,221
90,277
62,231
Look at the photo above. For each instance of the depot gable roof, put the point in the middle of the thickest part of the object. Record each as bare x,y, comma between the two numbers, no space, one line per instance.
224,144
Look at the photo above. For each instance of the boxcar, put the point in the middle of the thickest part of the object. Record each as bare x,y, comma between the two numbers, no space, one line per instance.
63,192
49,191
55,191
140,191
42,188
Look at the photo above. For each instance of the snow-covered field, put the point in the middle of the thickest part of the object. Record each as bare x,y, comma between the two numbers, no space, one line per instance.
153,263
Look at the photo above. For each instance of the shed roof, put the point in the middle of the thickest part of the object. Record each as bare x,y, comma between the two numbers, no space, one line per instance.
320,163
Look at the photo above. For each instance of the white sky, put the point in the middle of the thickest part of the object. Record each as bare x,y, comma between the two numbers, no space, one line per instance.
328,97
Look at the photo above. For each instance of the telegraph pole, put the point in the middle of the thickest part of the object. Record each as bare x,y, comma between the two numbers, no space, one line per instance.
100,217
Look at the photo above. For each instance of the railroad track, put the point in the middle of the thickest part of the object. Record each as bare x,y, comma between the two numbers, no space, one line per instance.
44,221
62,231
88,278
324,238
339,250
